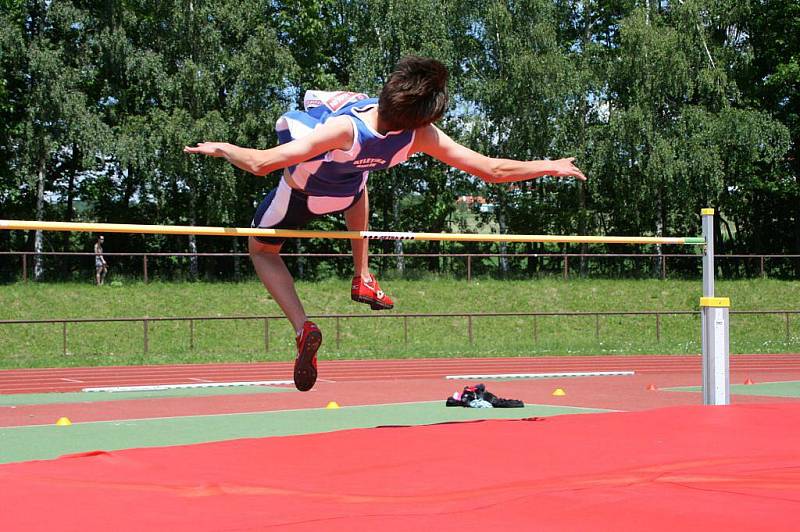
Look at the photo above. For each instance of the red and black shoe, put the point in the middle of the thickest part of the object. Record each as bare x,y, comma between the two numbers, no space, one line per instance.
370,292
305,365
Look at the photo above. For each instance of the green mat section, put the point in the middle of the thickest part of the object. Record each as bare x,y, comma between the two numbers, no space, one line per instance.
45,442
769,389
91,397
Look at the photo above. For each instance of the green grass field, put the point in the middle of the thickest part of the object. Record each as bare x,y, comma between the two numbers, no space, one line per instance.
41,345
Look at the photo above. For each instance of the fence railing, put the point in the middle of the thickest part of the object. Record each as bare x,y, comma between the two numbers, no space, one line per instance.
468,316
565,258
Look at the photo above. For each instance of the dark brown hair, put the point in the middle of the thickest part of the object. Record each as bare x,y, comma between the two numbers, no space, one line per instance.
415,95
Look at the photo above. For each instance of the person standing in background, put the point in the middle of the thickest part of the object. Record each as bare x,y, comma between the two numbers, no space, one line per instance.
100,264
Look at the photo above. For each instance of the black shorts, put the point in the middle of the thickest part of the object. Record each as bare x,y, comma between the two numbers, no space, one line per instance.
287,208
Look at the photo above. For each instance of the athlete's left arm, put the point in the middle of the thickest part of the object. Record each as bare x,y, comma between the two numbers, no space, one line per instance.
335,134
436,143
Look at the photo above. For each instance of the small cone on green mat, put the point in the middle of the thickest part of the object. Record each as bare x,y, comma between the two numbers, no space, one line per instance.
63,422
748,381
332,404
651,387
559,392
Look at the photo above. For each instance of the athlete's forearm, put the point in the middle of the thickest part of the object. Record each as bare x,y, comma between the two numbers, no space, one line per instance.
258,162
248,159
334,134
509,170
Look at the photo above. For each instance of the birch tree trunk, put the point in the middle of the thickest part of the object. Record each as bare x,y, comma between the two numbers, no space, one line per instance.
398,244
193,268
501,221
237,260
38,243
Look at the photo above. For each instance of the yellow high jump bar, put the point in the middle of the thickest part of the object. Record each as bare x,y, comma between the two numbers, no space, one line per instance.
33,225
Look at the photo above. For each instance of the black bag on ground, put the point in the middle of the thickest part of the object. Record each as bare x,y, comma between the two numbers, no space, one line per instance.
499,402
478,393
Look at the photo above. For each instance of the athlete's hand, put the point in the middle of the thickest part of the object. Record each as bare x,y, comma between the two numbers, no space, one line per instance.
212,149
566,168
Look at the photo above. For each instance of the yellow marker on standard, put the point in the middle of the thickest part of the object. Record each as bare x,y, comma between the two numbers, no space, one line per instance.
559,392
332,404
63,422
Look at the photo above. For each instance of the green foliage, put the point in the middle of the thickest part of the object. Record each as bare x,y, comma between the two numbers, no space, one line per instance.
668,106
771,82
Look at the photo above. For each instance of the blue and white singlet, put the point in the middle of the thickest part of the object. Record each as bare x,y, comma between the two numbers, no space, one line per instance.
341,173
333,181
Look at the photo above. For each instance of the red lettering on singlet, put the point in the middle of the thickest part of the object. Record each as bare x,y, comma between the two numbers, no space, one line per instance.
339,99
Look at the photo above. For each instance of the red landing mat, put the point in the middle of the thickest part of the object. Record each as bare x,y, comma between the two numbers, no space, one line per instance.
685,468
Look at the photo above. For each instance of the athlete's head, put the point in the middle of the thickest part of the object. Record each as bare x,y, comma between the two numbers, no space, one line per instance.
415,95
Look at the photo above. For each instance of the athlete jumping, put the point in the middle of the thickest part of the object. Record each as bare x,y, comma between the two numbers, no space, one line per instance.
326,153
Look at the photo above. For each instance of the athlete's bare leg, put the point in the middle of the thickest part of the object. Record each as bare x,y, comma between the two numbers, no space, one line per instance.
277,280
357,219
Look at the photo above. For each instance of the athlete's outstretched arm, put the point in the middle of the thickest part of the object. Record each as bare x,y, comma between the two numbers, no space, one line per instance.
335,134
436,143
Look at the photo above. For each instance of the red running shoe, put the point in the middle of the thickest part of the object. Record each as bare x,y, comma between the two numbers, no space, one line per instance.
370,292
305,365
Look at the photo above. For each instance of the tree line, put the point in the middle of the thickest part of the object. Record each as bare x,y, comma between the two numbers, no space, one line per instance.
668,106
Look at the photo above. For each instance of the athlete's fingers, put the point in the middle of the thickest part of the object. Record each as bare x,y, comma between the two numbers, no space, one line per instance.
576,171
205,148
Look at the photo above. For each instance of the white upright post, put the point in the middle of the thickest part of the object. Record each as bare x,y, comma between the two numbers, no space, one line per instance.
714,315
716,349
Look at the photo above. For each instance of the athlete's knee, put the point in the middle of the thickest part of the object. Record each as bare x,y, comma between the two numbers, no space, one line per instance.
257,247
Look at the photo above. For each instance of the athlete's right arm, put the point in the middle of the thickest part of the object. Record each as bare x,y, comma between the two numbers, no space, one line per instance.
433,141
335,134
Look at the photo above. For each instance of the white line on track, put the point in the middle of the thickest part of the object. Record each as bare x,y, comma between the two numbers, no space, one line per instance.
161,387
542,375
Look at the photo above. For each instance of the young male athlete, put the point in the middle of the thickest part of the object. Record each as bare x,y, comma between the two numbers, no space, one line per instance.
326,153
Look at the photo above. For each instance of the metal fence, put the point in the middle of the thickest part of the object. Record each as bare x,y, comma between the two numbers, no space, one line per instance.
562,263
468,325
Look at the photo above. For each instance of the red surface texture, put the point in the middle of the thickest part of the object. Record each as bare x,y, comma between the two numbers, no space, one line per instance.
678,468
